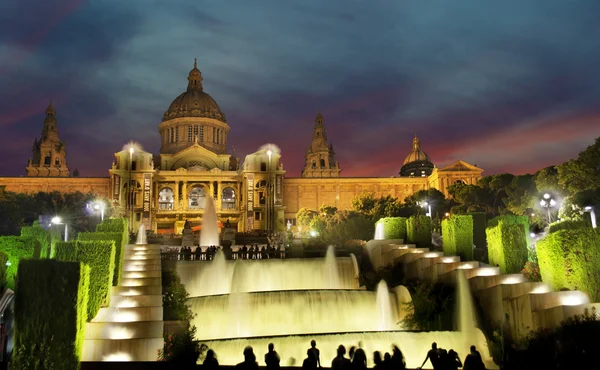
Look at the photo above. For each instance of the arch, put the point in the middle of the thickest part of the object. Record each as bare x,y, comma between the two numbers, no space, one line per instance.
196,197
228,198
459,181
166,199
322,162
47,160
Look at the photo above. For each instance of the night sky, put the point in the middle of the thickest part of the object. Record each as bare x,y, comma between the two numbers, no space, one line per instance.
511,86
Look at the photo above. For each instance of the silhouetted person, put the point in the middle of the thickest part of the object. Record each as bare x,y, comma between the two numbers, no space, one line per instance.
351,353
249,360
340,362
387,361
377,361
473,360
433,356
310,363
453,361
398,361
210,362
316,353
272,358
359,361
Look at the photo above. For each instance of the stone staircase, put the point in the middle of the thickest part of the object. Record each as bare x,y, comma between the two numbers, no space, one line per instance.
131,328
529,305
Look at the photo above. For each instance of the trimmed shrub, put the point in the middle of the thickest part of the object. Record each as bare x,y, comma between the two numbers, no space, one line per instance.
507,238
99,255
36,232
457,232
16,249
50,311
113,225
570,259
3,260
393,227
566,225
479,224
418,231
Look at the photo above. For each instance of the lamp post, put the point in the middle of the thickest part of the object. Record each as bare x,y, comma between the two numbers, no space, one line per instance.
130,189
99,206
547,202
590,209
427,205
58,221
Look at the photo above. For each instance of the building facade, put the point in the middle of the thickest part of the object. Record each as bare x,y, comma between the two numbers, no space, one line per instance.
193,165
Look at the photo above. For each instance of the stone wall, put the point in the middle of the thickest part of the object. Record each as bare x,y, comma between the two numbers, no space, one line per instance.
31,185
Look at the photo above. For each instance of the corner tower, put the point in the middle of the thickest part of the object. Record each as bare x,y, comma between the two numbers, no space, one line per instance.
320,157
49,157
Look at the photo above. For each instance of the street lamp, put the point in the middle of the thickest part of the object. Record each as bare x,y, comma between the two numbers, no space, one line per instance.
590,209
130,189
547,202
427,205
58,221
99,206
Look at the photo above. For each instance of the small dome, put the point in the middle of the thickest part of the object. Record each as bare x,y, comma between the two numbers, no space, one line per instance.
416,155
194,102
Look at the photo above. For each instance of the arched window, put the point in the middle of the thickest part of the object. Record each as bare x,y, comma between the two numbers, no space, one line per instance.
322,162
134,165
57,162
166,199
263,166
228,198
47,160
261,188
460,182
197,198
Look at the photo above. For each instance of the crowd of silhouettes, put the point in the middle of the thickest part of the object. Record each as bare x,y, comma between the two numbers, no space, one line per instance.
255,252
196,254
357,359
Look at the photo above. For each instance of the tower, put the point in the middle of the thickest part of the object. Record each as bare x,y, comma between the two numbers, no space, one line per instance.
320,157
49,155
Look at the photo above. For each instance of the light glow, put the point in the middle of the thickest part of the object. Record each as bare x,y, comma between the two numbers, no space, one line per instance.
541,289
431,254
449,259
466,266
127,303
513,279
117,357
487,271
120,332
127,316
573,298
56,220
130,292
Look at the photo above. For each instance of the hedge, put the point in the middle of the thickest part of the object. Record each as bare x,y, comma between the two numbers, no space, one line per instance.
567,225
114,225
3,260
42,236
457,233
50,311
99,255
570,259
418,231
16,248
508,237
479,225
393,227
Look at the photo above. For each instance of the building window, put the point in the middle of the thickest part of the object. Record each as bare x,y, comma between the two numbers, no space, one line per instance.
166,199
314,164
176,134
228,198
190,136
263,166
201,138
47,160
197,198
322,163
196,127
214,134
292,221
134,165
258,216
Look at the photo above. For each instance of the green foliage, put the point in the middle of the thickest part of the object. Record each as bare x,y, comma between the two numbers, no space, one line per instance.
99,255
181,349
546,180
50,312
16,248
521,195
479,225
431,305
175,296
108,230
418,231
304,216
3,260
36,232
531,271
457,232
566,225
508,238
570,259
393,227
583,172
377,208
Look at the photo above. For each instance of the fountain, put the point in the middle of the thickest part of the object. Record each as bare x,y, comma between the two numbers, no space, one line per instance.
209,235
466,311
331,268
385,320
379,231
141,236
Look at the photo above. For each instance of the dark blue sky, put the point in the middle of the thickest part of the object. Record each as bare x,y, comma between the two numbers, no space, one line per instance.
510,85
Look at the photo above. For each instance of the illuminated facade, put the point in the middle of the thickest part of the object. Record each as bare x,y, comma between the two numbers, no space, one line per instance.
193,164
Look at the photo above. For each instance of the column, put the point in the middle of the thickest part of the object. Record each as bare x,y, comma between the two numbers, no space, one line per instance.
211,187
176,202
219,195
185,196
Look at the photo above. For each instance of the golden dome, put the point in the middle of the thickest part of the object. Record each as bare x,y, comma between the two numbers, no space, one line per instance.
416,155
194,102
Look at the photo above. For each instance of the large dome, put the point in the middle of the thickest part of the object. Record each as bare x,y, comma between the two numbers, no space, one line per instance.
194,102
416,163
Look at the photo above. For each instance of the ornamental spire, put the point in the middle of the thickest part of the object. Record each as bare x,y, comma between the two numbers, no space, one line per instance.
195,78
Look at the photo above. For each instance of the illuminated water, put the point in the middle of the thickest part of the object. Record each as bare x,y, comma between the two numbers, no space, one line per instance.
466,310
141,236
379,231
293,312
209,235
331,268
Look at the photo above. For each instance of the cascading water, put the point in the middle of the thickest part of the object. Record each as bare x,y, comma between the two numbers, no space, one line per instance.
379,231
466,311
331,268
385,319
141,236
209,235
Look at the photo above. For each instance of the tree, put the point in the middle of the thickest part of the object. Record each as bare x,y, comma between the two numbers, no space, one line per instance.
304,216
521,195
546,180
582,173
437,200
377,208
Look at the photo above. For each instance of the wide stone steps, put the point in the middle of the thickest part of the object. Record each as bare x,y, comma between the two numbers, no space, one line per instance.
131,328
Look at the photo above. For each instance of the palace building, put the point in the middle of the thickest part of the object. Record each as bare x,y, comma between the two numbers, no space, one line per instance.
166,190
